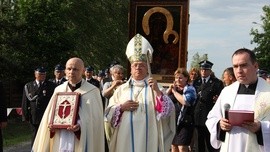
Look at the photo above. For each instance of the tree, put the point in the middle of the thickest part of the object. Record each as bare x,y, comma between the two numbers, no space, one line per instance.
35,33
262,39
49,36
9,40
196,59
103,30
48,32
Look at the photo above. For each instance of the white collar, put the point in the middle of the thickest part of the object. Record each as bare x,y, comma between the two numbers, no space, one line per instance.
206,79
139,82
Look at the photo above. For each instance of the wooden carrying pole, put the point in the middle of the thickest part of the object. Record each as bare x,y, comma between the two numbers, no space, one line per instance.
159,124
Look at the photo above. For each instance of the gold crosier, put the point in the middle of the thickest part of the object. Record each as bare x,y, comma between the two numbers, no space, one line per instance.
167,32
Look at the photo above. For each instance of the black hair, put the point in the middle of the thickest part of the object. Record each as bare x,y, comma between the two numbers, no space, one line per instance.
251,54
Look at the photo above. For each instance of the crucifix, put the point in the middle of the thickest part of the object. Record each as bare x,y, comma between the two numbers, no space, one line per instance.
65,104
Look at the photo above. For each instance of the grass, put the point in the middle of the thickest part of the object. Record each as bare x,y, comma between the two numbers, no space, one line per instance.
16,132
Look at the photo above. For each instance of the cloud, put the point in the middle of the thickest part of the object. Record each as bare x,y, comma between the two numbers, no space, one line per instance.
219,27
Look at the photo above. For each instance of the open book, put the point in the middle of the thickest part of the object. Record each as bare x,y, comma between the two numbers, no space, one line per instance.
237,117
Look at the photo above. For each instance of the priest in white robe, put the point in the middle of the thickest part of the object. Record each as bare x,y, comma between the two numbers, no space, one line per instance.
250,93
141,116
87,135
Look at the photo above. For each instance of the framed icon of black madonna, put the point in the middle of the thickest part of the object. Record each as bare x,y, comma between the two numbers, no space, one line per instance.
165,25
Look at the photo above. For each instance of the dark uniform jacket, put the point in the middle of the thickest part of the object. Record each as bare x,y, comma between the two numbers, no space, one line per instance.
58,83
94,82
35,100
205,94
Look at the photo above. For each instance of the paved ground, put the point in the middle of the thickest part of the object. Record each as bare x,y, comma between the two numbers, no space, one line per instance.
26,147
22,147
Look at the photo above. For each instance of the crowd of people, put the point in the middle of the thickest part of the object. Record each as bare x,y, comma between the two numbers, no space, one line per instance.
119,115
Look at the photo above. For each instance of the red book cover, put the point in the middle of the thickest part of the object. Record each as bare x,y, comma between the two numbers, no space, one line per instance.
237,117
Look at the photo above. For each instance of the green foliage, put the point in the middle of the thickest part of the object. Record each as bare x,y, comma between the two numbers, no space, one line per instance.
10,39
196,59
49,37
47,32
262,38
35,34
103,30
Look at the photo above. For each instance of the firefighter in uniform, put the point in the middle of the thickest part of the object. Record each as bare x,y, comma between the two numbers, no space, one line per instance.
59,73
36,96
89,71
208,88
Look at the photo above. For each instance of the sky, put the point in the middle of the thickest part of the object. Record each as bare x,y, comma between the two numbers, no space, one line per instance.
219,27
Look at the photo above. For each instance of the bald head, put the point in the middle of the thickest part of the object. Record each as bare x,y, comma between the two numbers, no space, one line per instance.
75,60
74,70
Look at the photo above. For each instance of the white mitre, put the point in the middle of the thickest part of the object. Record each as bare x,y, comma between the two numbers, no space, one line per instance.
138,49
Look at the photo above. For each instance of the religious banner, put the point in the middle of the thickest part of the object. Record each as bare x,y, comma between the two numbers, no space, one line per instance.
65,109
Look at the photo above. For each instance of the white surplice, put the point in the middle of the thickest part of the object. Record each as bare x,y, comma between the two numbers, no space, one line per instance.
240,139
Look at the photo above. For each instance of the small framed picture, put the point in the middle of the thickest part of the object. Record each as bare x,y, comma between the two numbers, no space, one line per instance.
65,109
